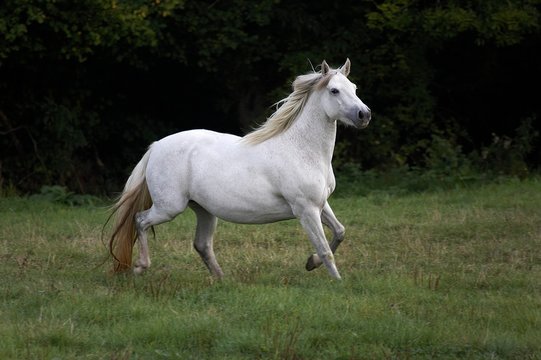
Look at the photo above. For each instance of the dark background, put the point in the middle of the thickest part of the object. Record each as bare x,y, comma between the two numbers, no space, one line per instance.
86,86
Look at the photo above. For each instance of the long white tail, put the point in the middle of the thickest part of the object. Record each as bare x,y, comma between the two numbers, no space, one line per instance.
133,199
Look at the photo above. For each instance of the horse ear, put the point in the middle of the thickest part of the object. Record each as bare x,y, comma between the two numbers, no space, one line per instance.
324,68
346,68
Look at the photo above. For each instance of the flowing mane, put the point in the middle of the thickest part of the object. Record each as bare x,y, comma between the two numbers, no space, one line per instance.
289,108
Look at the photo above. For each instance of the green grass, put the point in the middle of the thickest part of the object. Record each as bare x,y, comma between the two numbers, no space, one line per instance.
441,274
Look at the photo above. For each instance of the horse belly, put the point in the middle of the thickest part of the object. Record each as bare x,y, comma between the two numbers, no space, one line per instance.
242,204
237,192
241,215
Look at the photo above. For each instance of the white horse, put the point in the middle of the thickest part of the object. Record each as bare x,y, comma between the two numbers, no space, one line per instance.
280,171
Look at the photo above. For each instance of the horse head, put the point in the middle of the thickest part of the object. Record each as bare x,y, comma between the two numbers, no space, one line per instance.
338,97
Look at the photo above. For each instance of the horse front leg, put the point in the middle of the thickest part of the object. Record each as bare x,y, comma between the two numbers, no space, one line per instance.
329,219
311,222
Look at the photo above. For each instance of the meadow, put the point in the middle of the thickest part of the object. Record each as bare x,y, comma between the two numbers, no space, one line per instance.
444,274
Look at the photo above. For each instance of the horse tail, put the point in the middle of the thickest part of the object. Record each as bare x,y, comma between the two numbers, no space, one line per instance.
134,198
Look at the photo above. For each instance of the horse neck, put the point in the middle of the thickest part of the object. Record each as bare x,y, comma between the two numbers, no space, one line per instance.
312,132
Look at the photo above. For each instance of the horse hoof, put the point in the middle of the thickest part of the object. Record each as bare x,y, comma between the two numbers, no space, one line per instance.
138,270
312,264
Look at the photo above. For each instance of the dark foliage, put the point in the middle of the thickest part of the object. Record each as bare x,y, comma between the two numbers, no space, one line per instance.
86,86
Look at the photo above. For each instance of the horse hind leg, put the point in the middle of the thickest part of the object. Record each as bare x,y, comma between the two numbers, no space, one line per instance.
338,230
203,242
143,221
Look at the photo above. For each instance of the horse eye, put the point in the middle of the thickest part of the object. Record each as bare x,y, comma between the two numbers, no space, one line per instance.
334,91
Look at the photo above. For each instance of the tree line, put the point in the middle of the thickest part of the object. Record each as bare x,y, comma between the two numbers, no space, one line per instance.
87,85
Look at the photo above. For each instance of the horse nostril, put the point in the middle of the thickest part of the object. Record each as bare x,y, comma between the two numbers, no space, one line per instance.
365,114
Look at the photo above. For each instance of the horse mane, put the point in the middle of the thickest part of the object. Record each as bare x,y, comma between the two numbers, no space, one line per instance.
288,109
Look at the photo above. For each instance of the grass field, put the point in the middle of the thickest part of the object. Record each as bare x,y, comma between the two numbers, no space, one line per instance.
441,274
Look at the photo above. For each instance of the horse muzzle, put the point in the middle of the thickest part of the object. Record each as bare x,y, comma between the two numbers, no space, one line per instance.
363,118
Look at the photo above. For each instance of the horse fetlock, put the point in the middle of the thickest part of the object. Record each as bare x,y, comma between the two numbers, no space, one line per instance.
140,267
